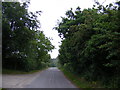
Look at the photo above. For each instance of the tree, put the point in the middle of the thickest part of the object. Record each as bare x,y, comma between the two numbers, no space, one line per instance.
24,46
90,45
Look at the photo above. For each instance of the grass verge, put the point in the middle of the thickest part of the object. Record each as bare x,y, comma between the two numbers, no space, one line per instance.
80,82
3,89
8,71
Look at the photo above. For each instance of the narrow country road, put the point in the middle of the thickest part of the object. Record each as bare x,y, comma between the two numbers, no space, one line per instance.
50,78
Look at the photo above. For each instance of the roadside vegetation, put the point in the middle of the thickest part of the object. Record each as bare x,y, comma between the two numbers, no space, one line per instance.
80,81
10,71
91,44
25,47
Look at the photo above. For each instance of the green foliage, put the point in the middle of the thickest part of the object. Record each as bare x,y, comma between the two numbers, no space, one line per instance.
91,43
79,81
14,72
24,46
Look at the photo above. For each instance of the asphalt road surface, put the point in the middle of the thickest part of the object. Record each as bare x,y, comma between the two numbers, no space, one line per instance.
49,78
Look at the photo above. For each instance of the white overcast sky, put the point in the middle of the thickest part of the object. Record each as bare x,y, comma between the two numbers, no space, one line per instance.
52,10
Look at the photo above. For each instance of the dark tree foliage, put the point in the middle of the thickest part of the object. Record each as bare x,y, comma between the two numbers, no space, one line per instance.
91,43
24,47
